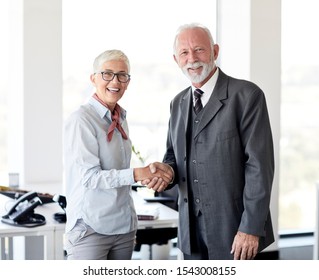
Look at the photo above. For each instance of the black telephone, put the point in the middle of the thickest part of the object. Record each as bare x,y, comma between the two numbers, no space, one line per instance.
22,212
60,217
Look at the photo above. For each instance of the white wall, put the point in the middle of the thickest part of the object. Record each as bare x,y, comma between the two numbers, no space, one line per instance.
35,97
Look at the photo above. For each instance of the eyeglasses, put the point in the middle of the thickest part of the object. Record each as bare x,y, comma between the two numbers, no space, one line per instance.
109,76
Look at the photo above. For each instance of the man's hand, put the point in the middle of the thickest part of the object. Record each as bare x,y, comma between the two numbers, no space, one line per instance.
159,184
245,246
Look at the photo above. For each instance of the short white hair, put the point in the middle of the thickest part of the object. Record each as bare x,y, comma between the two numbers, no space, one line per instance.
108,56
192,26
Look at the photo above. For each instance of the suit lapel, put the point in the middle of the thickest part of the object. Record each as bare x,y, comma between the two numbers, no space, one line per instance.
214,104
185,106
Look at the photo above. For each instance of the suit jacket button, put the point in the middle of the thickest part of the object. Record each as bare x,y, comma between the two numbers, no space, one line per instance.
183,179
185,200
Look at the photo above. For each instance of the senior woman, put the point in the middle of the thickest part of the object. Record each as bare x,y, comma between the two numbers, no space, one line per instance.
101,219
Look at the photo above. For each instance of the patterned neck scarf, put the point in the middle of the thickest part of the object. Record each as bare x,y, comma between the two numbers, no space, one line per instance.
115,120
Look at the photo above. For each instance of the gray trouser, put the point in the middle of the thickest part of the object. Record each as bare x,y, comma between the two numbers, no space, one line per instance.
83,243
199,250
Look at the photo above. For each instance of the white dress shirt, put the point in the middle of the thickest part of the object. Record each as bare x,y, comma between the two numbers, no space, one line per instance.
97,175
207,88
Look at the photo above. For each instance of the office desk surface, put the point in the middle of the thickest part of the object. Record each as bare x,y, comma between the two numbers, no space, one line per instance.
52,231
167,217
47,210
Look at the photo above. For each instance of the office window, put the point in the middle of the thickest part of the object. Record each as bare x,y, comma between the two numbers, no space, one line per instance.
299,149
145,31
3,91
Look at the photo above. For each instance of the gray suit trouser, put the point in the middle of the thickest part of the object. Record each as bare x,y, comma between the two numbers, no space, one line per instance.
199,249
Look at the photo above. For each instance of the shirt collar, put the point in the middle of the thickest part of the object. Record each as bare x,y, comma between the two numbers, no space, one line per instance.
208,88
102,110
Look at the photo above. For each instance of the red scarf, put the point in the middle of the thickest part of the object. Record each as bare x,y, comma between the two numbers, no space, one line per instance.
115,120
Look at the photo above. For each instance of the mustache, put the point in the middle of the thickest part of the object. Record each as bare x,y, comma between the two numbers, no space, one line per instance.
193,65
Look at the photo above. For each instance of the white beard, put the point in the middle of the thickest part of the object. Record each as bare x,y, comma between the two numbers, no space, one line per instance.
198,78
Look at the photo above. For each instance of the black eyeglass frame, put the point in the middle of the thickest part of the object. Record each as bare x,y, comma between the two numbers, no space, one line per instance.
115,74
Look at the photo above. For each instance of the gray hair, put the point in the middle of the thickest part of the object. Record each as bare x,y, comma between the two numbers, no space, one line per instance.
192,26
108,56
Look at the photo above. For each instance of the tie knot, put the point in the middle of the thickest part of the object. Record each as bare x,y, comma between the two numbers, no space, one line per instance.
198,93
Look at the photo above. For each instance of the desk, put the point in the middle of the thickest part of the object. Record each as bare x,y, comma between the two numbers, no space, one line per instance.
53,231
167,217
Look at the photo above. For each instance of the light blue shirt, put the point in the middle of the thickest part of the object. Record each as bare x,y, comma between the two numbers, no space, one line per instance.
97,175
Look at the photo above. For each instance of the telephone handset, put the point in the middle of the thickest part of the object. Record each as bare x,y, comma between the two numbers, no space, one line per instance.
22,212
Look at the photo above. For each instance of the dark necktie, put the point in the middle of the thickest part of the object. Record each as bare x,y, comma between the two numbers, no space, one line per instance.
198,103
115,120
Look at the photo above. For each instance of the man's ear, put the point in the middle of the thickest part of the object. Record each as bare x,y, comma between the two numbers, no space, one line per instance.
216,51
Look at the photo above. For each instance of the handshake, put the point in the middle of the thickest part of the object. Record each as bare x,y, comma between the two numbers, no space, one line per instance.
156,176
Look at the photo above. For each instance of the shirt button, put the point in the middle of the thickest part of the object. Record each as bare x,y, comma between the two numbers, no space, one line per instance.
196,121
197,200
195,181
194,161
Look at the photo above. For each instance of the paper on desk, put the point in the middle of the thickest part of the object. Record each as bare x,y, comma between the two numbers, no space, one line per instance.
147,212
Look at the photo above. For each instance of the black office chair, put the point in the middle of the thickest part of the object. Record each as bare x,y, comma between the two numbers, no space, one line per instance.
158,236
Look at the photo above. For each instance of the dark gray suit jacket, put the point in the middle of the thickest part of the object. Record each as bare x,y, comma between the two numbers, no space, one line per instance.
235,164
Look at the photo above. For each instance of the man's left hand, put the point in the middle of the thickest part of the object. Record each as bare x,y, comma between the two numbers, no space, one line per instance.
245,246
